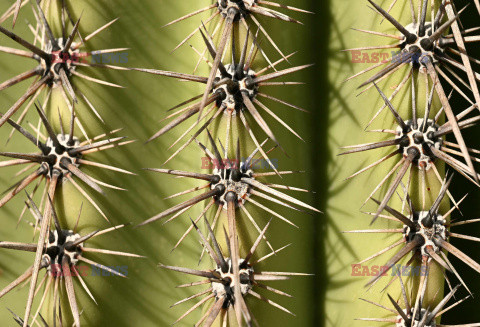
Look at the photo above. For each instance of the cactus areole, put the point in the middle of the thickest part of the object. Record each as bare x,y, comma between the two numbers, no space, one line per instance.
224,288
241,8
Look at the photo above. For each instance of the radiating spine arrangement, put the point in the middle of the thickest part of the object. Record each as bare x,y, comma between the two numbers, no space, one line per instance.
235,188
429,41
58,57
62,157
227,124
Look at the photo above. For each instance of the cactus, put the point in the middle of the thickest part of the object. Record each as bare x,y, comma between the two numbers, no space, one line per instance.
236,224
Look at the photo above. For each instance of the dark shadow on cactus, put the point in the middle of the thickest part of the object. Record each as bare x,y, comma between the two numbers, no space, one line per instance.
319,98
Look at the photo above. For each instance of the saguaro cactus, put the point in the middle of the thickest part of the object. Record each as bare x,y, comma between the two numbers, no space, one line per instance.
254,158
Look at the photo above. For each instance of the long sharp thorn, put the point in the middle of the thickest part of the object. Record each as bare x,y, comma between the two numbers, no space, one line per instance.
16,11
443,302
459,254
179,76
233,241
194,307
181,206
445,258
40,247
439,32
217,154
437,258
278,194
25,156
264,299
404,220
389,69
84,238
209,44
218,59
54,214
46,26
19,78
280,73
190,15
67,85
463,53
31,91
243,57
80,174
451,118
421,26
215,310
206,177
398,308
70,290
215,244
397,257
392,109
17,282
96,145
88,37
258,118
193,272
25,133
26,44
21,186
207,245
257,242
406,163
441,195
392,20
48,127
69,41
102,267
19,246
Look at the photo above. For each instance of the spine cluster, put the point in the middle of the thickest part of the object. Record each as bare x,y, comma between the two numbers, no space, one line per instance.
234,128
433,68
234,190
